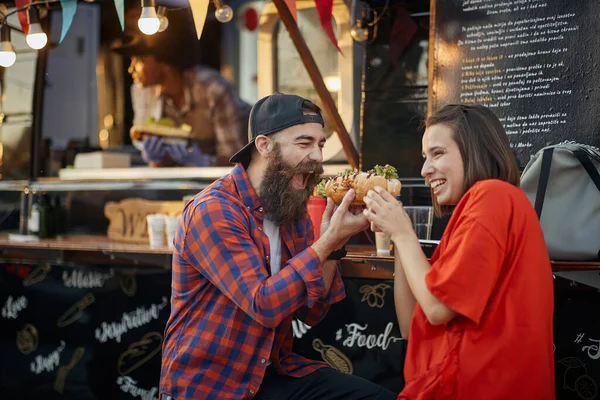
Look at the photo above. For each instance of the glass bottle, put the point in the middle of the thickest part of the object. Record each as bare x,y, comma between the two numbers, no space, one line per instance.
60,216
33,222
46,218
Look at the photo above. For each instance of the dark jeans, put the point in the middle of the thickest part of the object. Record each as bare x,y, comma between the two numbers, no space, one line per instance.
323,384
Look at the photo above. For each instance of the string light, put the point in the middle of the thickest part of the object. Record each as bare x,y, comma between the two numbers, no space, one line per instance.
360,31
149,23
7,54
365,28
223,12
36,38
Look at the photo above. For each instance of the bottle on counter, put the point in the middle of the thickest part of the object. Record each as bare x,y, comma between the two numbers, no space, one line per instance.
60,216
46,218
33,222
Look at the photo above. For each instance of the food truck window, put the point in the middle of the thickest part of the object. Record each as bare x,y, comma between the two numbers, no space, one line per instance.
87,103
280,67
16,86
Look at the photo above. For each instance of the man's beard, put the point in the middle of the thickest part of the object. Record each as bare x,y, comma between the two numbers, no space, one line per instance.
282,202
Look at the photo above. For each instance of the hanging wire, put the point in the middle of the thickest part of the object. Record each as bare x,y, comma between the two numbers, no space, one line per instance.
25,7
47,2
378,17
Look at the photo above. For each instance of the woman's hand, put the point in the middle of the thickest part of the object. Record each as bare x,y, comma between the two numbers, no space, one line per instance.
386,214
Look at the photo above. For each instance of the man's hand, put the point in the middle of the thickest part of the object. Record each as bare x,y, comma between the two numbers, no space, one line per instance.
189,155
339,224
154,149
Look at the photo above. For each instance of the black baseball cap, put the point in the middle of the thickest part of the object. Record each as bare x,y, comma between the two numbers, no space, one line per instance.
274,113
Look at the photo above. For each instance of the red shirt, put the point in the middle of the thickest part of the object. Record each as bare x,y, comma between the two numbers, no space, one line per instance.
492,268
228,315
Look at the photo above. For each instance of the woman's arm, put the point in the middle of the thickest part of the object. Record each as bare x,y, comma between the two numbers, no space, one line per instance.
416,266
384,211
404,300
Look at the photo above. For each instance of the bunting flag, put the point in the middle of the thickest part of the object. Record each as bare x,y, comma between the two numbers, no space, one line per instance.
23,19
68,12
325,9
199,13
403,30
120,7
291,4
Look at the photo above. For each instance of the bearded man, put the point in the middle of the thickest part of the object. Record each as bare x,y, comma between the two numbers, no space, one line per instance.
245,265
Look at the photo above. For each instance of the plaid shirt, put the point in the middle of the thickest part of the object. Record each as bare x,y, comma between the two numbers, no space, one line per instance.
228,315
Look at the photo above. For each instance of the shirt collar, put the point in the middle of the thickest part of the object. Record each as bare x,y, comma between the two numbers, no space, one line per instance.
245,188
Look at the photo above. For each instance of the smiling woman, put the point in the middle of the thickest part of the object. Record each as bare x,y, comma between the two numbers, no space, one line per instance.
475,284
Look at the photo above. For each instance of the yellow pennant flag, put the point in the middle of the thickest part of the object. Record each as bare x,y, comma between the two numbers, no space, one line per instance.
199,13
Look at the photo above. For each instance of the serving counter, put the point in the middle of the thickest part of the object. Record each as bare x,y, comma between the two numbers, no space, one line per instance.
361,261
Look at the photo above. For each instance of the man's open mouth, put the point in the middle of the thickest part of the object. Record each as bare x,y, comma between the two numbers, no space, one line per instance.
299,181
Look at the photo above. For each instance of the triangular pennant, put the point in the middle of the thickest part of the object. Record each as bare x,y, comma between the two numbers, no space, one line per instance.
291,4
199,13
23,20
325,9
68,12
403,30
120,7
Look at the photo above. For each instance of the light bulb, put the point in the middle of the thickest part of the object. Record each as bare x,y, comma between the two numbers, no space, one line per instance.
149,23
36,38
164,24
161,13
359,33
7,55
224,14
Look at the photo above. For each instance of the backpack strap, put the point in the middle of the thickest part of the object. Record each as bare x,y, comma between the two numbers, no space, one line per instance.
543,181
589,167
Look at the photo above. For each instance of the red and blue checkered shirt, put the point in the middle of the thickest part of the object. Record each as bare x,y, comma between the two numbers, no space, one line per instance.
229,316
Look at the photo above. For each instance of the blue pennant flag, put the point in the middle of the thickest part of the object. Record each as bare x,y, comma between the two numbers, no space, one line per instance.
68,12
120,7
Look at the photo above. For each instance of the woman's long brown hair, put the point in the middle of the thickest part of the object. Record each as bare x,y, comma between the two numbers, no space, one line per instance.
483,145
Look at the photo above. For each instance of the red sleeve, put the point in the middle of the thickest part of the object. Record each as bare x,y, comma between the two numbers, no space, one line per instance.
467,269
465,274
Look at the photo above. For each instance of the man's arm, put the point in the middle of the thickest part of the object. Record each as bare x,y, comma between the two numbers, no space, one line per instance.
337,226
218,243
334,292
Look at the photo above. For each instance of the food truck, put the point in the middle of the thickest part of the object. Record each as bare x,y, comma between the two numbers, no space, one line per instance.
84,283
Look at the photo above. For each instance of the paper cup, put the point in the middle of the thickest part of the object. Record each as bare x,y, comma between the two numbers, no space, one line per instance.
156,229
171,224
382,242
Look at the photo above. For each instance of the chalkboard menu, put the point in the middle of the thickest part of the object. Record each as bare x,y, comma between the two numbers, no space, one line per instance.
94,333
535,63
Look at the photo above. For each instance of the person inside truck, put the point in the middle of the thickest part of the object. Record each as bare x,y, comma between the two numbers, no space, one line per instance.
246,264
172,90
478,314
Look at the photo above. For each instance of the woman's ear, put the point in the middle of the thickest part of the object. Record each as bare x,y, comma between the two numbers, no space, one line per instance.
263,144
